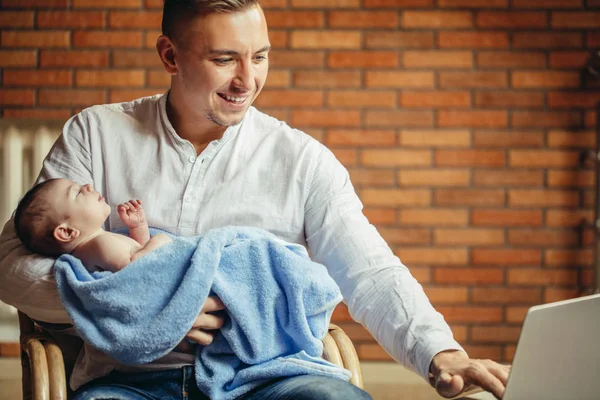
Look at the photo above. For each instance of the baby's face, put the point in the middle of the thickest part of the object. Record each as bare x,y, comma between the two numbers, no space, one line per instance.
80,206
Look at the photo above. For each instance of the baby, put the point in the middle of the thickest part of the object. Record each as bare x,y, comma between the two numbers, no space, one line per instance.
59,216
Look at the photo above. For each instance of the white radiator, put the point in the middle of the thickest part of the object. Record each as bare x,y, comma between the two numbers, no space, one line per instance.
23,147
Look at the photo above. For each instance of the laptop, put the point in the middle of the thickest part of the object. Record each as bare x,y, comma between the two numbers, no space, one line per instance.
558,354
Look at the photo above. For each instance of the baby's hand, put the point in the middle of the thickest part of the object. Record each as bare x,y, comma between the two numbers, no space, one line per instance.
132,214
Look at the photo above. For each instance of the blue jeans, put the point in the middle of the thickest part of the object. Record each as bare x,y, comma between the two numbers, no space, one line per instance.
180,384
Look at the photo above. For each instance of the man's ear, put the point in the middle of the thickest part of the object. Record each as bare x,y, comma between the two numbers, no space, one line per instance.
65,234
166,51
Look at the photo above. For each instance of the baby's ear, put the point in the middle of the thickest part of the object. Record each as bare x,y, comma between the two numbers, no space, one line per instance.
65,234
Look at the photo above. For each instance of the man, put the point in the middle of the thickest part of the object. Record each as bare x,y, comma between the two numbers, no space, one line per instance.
206,159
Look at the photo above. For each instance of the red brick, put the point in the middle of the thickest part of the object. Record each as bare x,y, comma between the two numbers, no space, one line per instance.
34,39
266,4
467,237
563,257
136,59
295,19
573,99
544,238
544,119
278,79
398,40
361,98
71,97
477,40
509,351
504,217
511,19
16,19
372,177
435,99
372,352
470,158
114,78
17,58
473,3
550,40
278,39
469,276
569,218
398,3
565,138
396,197
434,217
73,58
495,333
297,59
516,314
593,39
401,119
137,19
437,59
542,198
506,257
543,158
107,3
348,157
405,236
290,98
108,39
432,256
509,99
508,177
504,295
580,179
558,294
569,59
150,38
17,97
56,77
447,295
476,119
434,177
362,19
119,96
435,138
511,59
469,197
52,114
569,20
35,3
325,3
362,59
158,79
70,19
508,139
380,216
327,79
473,79
471,314
541,4
484,352
590,119
436,19
158,3
395,79
329,39
547,79
541,277
326,118
396,158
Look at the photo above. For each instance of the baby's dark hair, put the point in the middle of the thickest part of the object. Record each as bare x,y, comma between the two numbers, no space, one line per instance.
33,225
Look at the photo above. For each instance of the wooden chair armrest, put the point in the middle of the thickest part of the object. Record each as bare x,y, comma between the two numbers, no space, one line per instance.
36,366
347,352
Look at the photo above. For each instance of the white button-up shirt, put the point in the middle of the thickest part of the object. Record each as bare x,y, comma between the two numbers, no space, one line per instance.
261,173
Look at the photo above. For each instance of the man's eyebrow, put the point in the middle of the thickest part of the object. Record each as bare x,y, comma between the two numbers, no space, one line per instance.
222,52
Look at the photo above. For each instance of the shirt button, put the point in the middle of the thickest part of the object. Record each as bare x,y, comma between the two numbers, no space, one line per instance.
192,159
188,199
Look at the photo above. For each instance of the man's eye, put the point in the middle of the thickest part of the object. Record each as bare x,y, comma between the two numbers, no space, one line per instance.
222,60
260,58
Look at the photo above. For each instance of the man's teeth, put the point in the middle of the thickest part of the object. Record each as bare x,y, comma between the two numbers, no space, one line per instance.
234,99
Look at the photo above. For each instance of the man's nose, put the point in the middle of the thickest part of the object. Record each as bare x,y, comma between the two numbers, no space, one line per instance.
244,76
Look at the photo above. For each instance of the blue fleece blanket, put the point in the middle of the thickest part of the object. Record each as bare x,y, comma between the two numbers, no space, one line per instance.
278,301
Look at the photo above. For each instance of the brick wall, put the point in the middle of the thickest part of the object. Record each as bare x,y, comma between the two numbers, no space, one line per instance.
462,123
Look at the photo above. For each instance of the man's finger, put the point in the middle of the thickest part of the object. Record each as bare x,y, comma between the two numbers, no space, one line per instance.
478,374
209,321
500,371
201,337
213,303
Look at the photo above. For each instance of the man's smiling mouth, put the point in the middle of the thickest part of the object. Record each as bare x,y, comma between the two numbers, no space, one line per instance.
233,99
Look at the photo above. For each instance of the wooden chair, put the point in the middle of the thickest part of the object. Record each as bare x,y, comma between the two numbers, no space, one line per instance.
45,371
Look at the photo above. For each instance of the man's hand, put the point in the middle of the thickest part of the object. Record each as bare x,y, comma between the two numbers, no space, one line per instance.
206,326
453,372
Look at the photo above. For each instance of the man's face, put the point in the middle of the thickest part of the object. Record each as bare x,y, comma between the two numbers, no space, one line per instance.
222,63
